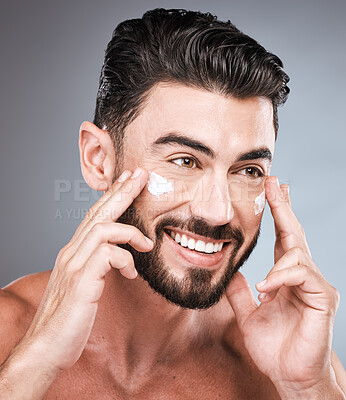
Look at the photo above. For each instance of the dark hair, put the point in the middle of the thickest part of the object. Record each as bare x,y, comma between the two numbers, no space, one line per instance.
187,47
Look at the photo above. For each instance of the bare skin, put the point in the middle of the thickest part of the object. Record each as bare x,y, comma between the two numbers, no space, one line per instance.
202,364
101,332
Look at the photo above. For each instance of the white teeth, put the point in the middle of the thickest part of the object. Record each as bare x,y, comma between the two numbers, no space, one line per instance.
184,240
209,247
198,245
191,244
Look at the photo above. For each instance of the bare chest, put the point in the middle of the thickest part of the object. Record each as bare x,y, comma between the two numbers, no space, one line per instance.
199,378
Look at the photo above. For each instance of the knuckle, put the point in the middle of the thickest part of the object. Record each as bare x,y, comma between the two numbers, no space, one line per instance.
336,296
297,252
62,257
61,254
97,229
99,214
301,256
105,249
305,269
89,215
300,229
74,280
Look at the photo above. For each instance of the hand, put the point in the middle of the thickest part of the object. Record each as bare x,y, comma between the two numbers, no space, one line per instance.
289,335
63,322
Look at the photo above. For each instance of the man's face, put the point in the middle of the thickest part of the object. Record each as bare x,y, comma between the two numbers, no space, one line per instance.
214,152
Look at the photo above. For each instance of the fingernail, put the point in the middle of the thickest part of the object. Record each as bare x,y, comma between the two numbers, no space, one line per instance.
136,173
277,182
262,296
262,283
149,241
124,176
134,274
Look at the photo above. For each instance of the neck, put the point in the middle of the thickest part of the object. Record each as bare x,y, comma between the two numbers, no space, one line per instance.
140,326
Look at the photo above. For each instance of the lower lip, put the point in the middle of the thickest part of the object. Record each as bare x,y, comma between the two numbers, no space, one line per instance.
193,257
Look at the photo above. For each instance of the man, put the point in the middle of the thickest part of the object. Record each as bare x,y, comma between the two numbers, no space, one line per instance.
146,300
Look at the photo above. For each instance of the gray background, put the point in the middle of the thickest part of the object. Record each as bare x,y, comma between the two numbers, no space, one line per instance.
51,55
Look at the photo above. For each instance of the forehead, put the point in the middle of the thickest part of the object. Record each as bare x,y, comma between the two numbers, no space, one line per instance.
219,122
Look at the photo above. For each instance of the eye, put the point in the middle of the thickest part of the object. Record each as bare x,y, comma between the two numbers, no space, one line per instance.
186,162
252,172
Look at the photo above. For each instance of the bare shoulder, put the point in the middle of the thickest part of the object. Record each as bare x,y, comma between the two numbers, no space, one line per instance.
19,301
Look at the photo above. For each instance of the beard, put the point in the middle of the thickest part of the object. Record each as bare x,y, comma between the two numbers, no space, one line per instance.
196,290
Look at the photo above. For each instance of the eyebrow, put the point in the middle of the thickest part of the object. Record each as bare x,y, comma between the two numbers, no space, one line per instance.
261,153
183,140
173,138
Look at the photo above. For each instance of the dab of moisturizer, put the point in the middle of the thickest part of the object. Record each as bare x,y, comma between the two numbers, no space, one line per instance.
158,185
260,202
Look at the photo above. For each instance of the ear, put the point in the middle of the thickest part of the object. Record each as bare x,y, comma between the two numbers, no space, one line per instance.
97,156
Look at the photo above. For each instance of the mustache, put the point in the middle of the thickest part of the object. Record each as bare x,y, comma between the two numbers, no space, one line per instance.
199,226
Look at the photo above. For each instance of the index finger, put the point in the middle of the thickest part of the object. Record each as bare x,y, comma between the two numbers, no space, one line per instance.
119,200
112,204
93,209
287,226
102,211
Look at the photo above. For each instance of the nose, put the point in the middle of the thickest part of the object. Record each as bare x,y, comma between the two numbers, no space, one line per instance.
213,201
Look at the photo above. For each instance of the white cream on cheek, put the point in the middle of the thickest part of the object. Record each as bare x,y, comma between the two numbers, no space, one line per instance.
158,185
260,202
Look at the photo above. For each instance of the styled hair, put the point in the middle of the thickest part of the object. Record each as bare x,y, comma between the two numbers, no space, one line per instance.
187,47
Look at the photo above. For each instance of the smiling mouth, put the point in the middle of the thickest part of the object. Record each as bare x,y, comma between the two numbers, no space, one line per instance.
198,245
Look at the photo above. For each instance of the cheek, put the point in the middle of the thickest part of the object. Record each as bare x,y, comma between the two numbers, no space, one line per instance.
161,196
166,190
248,205
248,198
246,217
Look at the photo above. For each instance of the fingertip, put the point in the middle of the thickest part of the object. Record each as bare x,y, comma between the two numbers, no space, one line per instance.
134,273
271,184
274,192
260,285
125,175
129,272
285,186
267,296
149,241
139,172
262,297
140,176
273,180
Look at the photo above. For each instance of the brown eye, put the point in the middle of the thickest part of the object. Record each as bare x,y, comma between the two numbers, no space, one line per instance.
186,162
252,172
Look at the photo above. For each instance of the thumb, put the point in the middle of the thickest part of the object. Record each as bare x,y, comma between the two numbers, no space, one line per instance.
241,299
